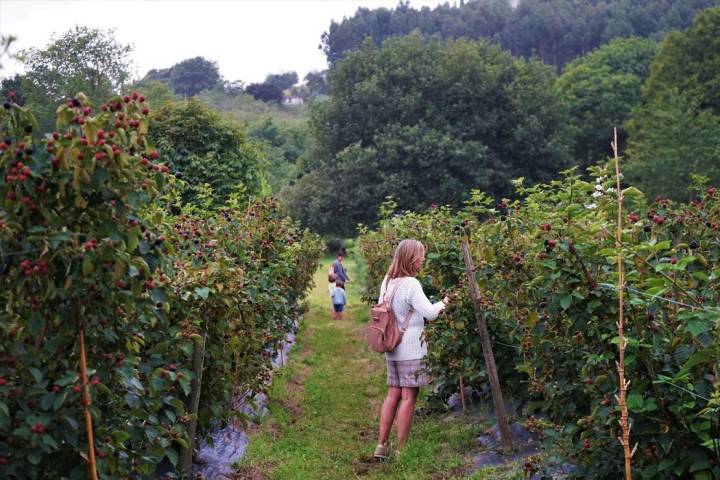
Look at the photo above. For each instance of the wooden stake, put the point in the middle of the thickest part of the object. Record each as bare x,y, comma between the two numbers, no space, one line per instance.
624,423
92,465
505,437
462,394
195,388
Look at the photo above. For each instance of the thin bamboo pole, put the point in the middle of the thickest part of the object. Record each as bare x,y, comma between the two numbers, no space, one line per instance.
505,436
624,422
462,394
92,465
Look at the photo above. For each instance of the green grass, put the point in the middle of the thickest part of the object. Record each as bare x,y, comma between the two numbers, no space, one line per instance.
324,408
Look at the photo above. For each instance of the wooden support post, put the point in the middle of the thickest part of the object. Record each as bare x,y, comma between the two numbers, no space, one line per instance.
87,401
505,437
462,394
195,388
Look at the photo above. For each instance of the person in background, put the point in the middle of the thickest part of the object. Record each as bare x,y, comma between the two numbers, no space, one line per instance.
331,284
406,371
339,269
338,300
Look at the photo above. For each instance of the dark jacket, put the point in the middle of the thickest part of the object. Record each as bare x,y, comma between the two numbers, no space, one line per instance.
340,272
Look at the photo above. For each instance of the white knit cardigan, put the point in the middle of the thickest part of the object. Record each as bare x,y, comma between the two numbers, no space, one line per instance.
410,293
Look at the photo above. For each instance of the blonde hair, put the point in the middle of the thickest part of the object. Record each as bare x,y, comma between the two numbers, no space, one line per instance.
403,263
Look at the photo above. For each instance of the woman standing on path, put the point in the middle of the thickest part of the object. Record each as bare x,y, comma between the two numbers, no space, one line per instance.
405,369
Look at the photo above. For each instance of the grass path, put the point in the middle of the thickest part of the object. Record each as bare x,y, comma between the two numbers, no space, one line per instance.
324,410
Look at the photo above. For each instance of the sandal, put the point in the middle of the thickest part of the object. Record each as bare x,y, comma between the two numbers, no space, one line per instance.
381,451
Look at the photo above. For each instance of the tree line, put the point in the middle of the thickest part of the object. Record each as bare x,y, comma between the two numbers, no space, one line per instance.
424,120
555,31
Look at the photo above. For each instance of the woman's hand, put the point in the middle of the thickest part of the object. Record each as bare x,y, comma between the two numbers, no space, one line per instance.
446,300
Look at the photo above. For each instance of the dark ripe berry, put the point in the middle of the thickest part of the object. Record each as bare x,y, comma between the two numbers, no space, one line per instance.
75,102
673,260
712,190
87,111
145,110
126,99
693,245
586,444
646,228
141,99
7,105
28,129
8,142
154,155
135,95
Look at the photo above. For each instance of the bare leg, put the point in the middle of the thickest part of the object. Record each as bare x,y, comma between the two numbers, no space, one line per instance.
387,413
405,414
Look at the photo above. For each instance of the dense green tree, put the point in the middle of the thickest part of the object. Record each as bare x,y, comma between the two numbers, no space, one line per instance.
600,89
189,77
426,122
265,92
556,31
283,81
676,131
283,146
194,75
158,93
13,84
317,83
202,147
80,60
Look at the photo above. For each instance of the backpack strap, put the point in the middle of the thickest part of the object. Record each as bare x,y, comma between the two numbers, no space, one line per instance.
406,321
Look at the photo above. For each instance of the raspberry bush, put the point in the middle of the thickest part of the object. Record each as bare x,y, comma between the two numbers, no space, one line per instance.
545,264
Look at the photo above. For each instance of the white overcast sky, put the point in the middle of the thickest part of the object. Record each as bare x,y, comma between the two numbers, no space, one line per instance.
247,38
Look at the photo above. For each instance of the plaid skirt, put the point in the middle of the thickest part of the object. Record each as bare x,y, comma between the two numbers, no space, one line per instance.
406,373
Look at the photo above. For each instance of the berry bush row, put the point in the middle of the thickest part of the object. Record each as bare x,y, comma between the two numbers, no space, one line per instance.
92,237
546,267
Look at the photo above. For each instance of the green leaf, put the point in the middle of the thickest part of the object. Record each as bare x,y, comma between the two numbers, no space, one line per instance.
202,292
706,355
635,402
697,327
87,266
120,436
59,400
565,301
37,374
132,240
46,401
